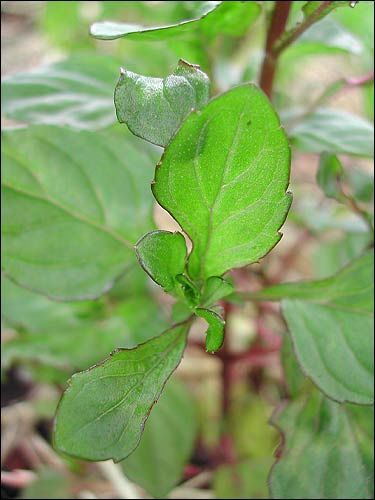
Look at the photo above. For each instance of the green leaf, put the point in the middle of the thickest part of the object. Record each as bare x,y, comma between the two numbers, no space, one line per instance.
154,108
312,8
215,289
321,456
223,178
66,337
72,238
230,18
294,378
361,184
335,132
76,92
163,256
329,174
166,444
23,309
102,413
331,324
245,479
190,290
331,256
215,331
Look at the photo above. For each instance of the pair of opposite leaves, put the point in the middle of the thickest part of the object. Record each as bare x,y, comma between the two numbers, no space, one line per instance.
223,177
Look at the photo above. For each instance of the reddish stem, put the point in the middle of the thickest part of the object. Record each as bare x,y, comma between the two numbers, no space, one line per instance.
278,22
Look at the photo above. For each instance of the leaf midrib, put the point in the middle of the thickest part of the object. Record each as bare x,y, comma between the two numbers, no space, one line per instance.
72,213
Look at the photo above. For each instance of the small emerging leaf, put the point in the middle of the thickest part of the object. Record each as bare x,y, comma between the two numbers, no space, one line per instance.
162,255
190,290
329,175
215,331
154,108
102,413
215,289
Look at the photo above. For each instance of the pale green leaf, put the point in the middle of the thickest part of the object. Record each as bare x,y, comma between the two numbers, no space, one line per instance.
117,396
294,378
244,479
23,309
166,444
361,184
336,132
321,456
224,177
230,18
76,92
154,108
329,175
331,256
332,328
321,9
215,330
215,289
163,256
74,203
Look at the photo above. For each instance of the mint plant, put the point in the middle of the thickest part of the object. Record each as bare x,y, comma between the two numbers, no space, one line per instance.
77,223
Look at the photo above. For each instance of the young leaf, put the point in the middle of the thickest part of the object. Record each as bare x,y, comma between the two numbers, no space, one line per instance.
329,175
71,238
224,177
335,132
163,256
321,456
215,289
191,292
76,92
331,324
153,108
103,412
215,331
166,444
231,18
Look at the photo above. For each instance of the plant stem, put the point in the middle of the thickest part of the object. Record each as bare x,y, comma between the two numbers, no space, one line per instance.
292,35
276,29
